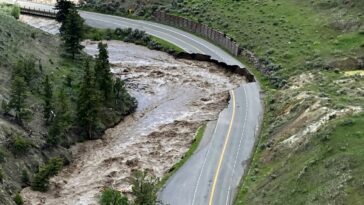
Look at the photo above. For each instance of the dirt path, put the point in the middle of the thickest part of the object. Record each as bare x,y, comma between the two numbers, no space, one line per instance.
175,97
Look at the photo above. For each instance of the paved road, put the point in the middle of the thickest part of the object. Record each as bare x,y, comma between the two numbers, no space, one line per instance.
226,151
212,174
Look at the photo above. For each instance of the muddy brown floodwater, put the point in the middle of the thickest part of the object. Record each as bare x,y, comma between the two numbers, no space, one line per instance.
175,97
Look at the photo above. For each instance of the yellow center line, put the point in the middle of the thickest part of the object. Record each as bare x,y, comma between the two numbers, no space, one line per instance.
217,173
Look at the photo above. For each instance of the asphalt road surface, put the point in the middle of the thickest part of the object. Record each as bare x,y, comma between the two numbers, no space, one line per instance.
212,174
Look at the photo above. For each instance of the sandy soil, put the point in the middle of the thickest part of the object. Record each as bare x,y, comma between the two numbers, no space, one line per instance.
175,97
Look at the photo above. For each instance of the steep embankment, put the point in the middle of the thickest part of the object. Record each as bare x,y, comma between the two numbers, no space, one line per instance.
309,151
29,58
19,42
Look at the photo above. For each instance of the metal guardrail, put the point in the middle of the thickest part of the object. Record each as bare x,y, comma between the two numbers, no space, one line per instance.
32,10
38,12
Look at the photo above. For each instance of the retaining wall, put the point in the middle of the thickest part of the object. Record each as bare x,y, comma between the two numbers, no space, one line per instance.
214,35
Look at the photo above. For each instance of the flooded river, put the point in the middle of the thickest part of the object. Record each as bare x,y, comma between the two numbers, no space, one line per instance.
175,97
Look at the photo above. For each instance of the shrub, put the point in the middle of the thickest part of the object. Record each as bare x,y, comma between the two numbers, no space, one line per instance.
112,197
18,199
15,12
20,145
1,175
5,107
2,156
25,178
144,188
41,179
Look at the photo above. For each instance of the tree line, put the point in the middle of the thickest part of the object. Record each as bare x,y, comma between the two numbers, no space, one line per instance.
97,94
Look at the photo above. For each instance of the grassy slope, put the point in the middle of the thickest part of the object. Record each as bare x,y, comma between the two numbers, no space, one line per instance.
22,42
137,8
286,32
19,42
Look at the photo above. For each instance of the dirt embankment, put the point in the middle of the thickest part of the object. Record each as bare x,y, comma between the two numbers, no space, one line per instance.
174,96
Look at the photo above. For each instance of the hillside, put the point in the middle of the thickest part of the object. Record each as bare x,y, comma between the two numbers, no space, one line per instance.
20,42
31,146
125,7
313,52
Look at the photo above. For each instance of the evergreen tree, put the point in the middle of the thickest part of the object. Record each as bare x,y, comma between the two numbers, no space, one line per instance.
63,7
103,73
123,102
47,104
88,103
5,107
119,95
61,121
18,95
26,70
73,32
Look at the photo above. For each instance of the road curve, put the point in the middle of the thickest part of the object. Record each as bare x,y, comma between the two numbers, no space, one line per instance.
212,174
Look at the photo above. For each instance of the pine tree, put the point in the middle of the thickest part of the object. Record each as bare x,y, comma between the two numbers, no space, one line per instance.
73,32
47,98
88,103
63,7
119,95
103,73
123,102
61,121
5,107
26,70
18,95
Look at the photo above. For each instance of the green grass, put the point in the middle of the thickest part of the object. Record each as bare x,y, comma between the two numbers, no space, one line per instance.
189,153
329,167
291,35
139,9
155,43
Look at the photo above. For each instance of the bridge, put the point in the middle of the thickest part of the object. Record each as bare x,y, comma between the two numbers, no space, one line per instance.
35,9
38,12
